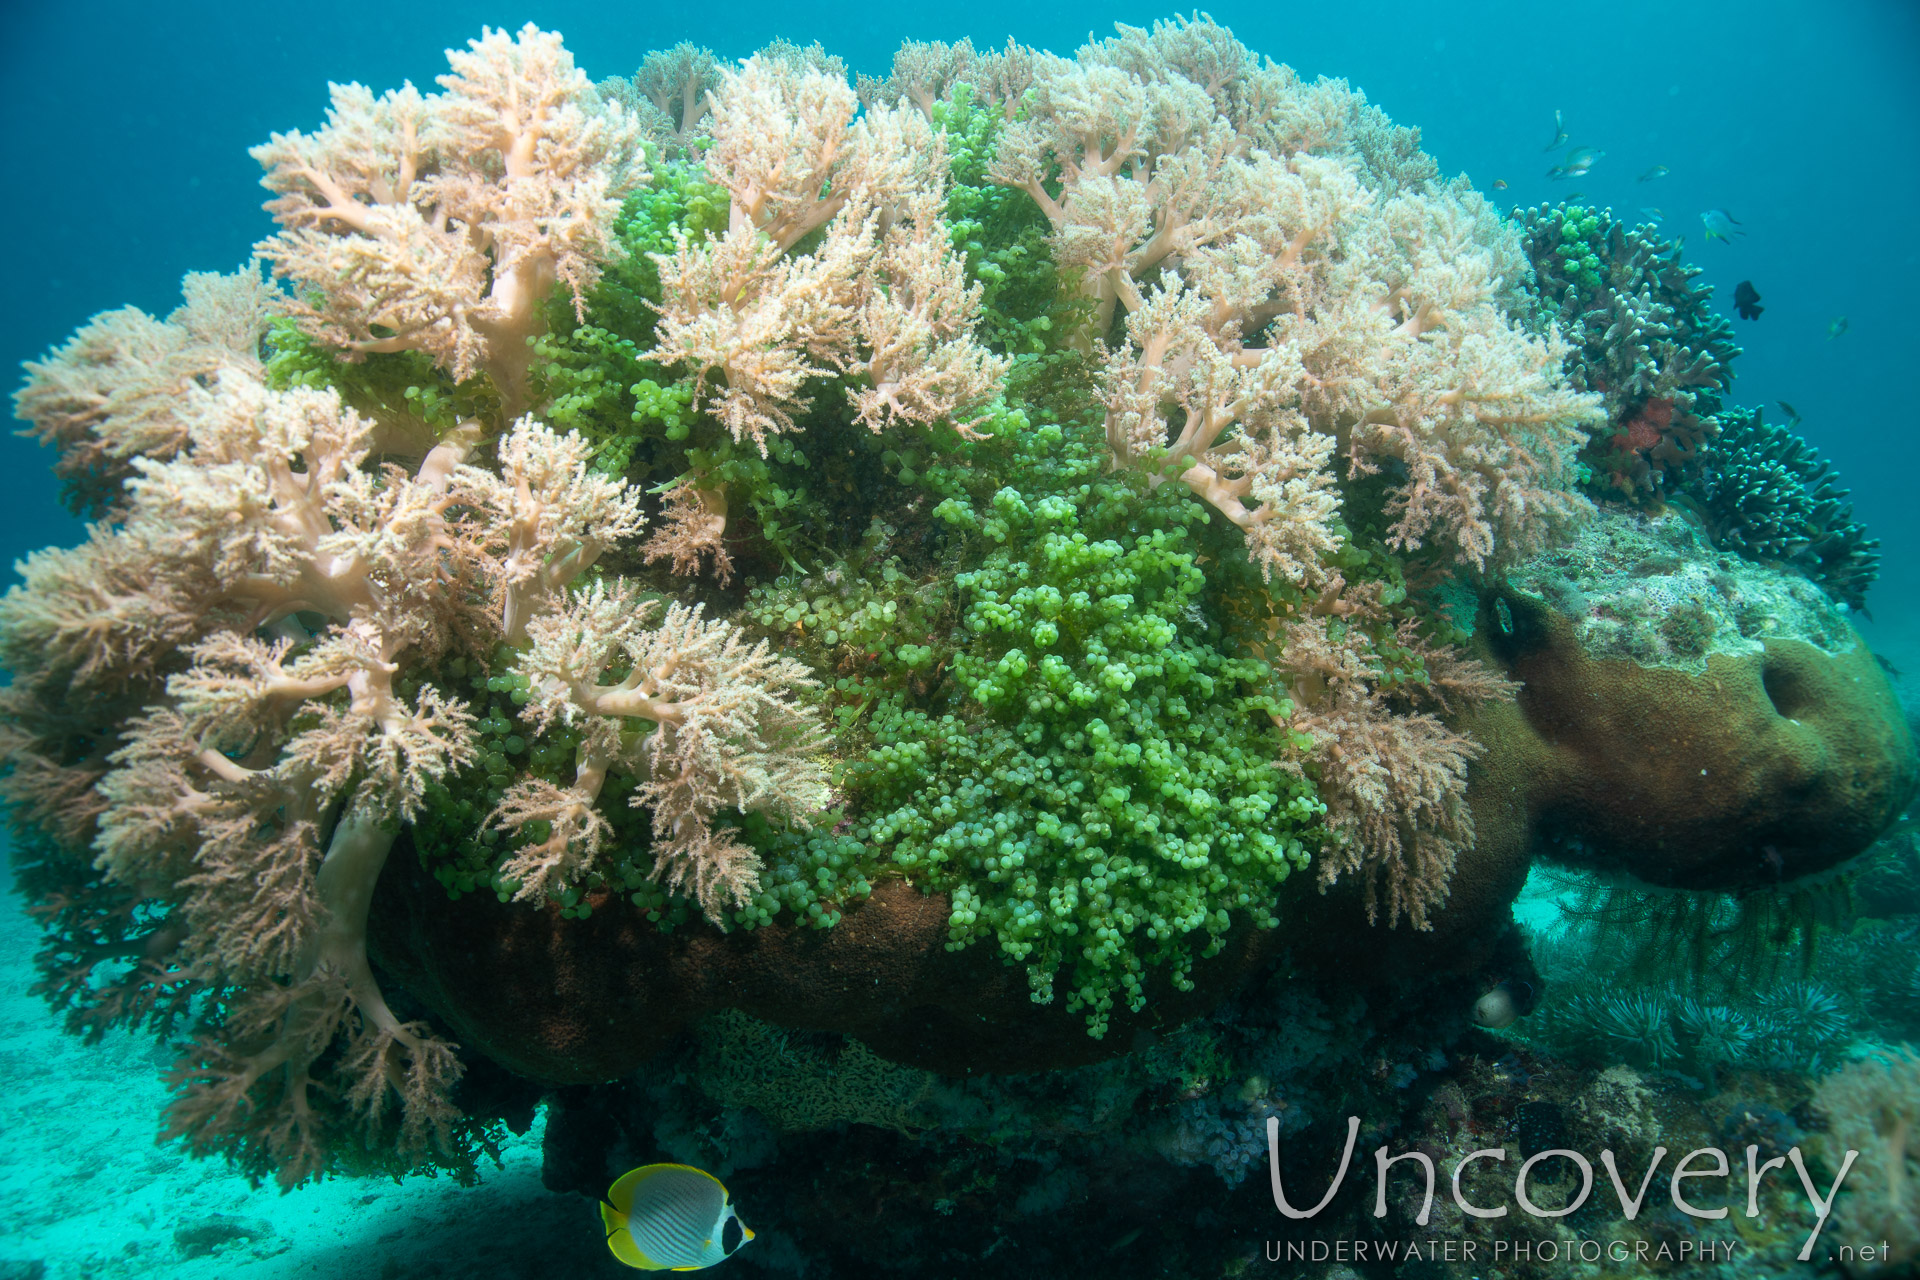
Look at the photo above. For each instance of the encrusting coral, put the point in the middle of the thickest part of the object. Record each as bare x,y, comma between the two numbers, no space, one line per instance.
707,497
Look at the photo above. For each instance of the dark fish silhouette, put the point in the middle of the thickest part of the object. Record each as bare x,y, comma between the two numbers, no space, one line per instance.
1746,300
1793,414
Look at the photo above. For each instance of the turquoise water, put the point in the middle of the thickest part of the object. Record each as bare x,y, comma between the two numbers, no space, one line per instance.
924,1129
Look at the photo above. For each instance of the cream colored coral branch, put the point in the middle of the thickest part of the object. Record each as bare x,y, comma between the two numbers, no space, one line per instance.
882,294
1177,405
115,391
1393,777
440,223
1287,222
692,532
727,730
548,518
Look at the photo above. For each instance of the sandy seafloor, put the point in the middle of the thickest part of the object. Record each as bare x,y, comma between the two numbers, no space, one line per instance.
87,1194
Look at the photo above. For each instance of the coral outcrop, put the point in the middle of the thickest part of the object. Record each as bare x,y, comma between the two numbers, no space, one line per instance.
1770,496
935,566
1692,718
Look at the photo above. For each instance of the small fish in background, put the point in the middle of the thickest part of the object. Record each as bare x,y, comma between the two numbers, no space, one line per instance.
1720,225
671,1217
1499,184
1559,133
1651,212
1579,161
1837,328
1793,414
1746,300
1658,171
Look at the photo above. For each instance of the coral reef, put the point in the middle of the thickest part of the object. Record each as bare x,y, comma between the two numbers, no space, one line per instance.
1041,1162
1640,332
1769,495
239,678
1690,720
930,564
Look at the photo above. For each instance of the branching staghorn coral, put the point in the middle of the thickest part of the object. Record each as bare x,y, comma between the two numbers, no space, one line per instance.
440,223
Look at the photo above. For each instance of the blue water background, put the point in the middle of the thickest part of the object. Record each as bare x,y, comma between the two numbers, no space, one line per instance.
128,126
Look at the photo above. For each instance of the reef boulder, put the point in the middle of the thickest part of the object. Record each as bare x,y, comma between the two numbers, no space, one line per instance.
1688,717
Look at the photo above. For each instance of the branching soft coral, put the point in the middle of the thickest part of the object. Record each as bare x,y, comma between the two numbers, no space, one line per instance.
440,223
1377,316
882,295
692,528
251,680
114,391
669,94
259,796
1393,778
726,734
547,519
1174,372
276,597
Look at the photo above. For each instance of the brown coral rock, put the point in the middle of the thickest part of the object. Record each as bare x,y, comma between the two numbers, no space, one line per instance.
1766,766
579,1001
